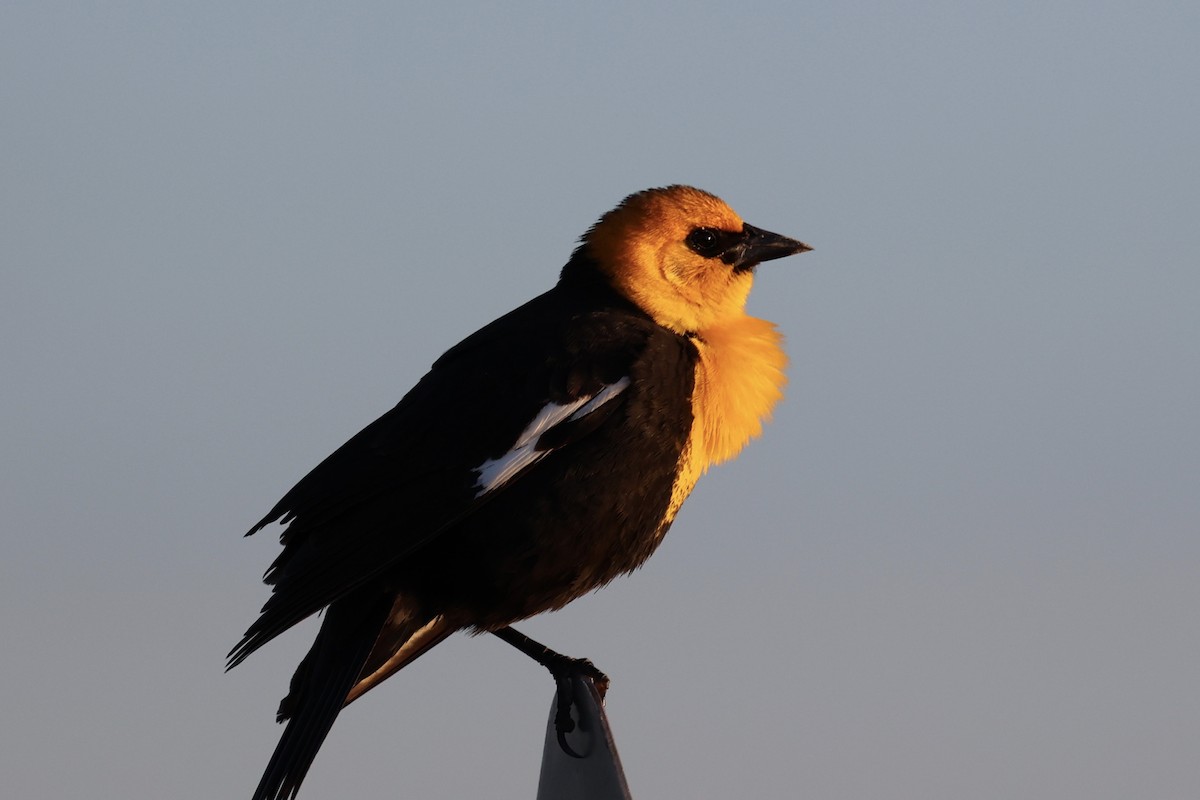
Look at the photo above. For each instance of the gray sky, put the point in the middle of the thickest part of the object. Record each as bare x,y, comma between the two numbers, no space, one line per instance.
962,562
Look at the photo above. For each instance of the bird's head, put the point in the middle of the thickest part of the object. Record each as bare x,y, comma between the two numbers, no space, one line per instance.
682,255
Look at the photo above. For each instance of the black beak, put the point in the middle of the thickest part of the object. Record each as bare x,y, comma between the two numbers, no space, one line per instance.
757,246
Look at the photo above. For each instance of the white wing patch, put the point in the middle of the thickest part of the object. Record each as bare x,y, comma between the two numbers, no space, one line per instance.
495,472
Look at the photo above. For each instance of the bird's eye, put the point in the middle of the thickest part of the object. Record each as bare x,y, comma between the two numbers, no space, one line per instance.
704,241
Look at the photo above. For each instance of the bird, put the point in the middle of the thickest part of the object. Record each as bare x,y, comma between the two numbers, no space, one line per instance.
537,460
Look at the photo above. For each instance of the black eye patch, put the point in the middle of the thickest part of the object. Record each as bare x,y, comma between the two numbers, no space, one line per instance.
712,242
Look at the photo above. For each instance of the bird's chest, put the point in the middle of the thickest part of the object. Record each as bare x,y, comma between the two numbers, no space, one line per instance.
738,380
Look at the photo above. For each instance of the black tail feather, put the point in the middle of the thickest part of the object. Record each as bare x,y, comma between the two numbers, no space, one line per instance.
319,689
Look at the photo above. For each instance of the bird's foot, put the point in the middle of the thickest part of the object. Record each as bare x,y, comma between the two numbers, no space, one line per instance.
564,670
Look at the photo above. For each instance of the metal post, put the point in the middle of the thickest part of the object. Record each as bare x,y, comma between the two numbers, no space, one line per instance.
593,771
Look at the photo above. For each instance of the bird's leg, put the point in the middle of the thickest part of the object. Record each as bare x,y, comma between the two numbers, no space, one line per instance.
560,666
563,669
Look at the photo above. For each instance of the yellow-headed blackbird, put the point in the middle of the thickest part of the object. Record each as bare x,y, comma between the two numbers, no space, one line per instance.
539,458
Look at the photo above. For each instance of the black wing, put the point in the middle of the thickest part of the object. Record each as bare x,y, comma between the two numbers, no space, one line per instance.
415,471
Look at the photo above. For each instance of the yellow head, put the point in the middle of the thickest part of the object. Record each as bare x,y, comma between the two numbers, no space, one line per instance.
682,255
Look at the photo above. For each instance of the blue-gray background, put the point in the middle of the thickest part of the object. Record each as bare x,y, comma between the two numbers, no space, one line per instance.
962,562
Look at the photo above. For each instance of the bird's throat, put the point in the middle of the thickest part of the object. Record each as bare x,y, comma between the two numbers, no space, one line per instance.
739,379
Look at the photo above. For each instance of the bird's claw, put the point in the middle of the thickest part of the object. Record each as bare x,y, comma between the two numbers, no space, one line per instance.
564,674
563,721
